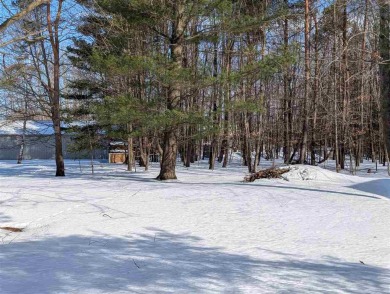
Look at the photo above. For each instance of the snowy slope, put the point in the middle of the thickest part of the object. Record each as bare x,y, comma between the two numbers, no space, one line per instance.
208,232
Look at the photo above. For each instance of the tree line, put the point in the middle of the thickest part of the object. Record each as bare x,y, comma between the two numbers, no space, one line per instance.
306,80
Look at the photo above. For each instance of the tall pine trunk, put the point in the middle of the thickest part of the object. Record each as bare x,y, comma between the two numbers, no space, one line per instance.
303,148
384,69
287,98
315,93
168,163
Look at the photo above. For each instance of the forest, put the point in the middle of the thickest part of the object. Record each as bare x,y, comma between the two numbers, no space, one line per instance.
302,80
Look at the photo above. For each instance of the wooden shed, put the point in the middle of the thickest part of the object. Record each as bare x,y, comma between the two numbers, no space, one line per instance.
117,152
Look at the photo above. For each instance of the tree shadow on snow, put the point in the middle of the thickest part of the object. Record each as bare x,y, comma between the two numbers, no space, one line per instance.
257,185
321,191
379,187
46,170
160,261
4,218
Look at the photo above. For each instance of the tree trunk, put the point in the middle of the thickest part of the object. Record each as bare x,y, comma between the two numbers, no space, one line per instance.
130,152
23,142
303,148
336,142
213,153
53,29
60,166
360,152
345,88
315,93
384,69
144,152
168,164
287,98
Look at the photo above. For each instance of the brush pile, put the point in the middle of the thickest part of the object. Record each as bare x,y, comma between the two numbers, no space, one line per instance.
12,229
269,173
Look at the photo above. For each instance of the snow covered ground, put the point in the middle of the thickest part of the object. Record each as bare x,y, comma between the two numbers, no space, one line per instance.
208,232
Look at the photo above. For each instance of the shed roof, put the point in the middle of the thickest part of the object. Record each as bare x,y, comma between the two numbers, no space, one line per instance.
33,127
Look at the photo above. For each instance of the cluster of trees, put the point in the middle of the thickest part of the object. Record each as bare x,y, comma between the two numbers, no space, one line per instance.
309,78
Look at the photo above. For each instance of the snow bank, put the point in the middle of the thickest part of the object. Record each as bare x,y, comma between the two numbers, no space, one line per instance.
308,172
300,173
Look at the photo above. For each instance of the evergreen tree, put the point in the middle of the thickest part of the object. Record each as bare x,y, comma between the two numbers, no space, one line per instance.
153,58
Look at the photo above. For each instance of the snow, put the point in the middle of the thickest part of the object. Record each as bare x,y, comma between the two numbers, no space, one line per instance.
208,232
308,172
300,173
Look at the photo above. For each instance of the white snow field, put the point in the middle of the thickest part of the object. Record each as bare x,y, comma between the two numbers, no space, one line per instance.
208,232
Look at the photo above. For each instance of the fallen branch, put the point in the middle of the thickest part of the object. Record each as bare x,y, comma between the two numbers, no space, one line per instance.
270,173
12,229
136,264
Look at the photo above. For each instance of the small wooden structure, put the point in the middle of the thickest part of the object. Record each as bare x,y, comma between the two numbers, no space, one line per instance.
117,152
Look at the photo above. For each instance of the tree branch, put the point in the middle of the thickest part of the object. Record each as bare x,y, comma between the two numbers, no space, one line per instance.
22,13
